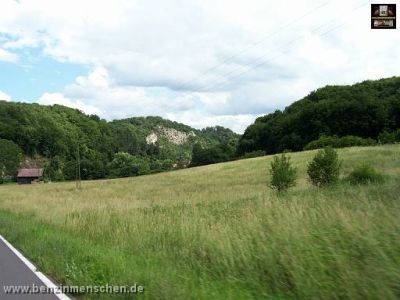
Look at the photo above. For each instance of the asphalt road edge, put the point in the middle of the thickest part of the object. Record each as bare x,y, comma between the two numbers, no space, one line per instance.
47,282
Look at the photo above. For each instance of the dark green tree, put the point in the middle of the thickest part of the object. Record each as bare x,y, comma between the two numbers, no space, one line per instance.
324,168
10,159
216,154
283,174
54,169
123,165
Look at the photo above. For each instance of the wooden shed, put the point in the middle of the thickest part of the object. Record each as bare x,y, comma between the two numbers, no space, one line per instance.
27,176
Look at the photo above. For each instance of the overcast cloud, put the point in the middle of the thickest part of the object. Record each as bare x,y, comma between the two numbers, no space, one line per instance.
200,62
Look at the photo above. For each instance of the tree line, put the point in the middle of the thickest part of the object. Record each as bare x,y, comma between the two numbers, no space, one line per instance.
368,110
53,134
363,114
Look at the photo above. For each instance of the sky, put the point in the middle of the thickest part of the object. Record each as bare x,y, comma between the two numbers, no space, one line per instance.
199,62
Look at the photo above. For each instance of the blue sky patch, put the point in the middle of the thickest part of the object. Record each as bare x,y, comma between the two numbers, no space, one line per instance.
36,74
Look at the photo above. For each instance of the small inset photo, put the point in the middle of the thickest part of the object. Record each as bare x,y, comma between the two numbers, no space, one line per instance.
383,16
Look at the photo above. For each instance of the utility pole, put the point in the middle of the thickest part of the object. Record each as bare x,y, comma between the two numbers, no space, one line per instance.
78,170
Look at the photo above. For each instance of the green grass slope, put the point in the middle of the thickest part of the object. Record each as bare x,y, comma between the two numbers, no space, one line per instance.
217,232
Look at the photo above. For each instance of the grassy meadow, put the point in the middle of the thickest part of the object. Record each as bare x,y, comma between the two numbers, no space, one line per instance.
217,232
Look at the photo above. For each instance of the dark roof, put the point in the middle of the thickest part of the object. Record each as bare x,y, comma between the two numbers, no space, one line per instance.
30,173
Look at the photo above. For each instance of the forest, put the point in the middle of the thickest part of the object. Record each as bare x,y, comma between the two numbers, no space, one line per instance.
49,137
363,114
367,110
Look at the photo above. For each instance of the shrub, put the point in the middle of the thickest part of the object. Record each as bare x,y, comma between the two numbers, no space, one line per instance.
364,174
389,137
335,142
126,165
283,175
322,142
324,168
253,154
351,140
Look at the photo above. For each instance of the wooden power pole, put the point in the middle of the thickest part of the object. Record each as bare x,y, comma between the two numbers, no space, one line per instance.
78,170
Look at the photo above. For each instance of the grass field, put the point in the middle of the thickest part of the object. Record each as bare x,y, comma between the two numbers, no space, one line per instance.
217,232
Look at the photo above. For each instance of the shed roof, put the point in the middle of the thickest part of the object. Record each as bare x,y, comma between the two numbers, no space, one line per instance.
30,173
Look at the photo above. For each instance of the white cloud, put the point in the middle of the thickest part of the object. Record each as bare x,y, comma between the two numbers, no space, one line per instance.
95,90
237,123
153,57
8,56
4,96
57,98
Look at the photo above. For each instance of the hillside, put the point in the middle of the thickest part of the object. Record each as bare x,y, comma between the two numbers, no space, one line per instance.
365,110
54,133
173,138
217,232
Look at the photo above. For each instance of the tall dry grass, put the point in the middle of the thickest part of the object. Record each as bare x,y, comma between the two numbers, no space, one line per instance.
218,232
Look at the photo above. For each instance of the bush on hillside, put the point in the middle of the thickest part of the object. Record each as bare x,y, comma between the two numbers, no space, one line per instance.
283,174
322,142
253,154
126,165
324,168
351,141
158,165
364,174
389,137
336,142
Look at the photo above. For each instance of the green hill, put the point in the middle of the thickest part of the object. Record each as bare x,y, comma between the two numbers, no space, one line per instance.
364,110
217,232
54,133
174,139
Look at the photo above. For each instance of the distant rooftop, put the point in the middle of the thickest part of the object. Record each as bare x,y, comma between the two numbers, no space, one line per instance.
30,173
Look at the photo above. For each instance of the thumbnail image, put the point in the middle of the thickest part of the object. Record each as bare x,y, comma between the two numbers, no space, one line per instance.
383,16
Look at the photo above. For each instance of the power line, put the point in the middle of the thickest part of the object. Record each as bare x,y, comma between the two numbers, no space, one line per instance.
207,88
265,38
